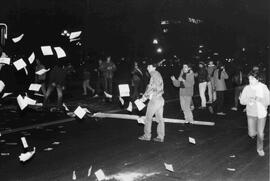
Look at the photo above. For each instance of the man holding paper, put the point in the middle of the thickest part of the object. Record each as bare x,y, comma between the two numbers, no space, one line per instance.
154,92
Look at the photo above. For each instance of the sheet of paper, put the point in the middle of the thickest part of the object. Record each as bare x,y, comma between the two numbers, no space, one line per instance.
24,142
46,50
129,108
191,140
89,171
31,58
65,106
17,39
19,64
29,101
34,87
86,110
71,40
21,102
141,120
2,85
60,52
124,90
6,94
80,112
42,71
26,156
121,100
169,167
100,175
40,95
48,149
74,175
140,105
75,34
107,95
5,60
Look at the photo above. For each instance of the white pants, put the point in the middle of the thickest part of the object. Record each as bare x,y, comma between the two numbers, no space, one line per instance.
202,89
211,92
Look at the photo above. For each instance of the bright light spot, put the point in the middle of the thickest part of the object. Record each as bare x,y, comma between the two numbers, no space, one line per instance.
200,51
155,41
68,34
63,34
215,53
159,50
243,49
201,46
164,22
65,31
165,30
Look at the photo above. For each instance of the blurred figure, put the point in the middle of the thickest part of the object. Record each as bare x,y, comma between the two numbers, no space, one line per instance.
239,80
210,84
56,80
220,75
86,81
202,79
136,81
108,68
256,97
99,80
40,79
154,92
186,83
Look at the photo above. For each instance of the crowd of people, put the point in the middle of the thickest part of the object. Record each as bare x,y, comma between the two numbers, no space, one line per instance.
146,83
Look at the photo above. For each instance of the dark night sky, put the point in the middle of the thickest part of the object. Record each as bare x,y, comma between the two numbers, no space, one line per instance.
130,25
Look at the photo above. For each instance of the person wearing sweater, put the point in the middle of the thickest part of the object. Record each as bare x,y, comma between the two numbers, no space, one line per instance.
256,98
186,83
202,79
154,92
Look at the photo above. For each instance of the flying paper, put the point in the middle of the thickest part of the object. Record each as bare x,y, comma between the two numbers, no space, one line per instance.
231,169
191,140
60,52
71,40
89,171
80,112
107,95
100,175
124,90
169,167
66,108
86,110
129,108
75,34
46,50
25,145
121,100
56,143
26,71
140,105
26,156
17,39
42,71
140,120
34,87
48,149
29,101
74,176
5,60
2,85
21,102
39,104
19,64
31,58
37,94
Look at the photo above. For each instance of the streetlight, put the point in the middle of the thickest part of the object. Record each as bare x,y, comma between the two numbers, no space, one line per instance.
159,50
155,41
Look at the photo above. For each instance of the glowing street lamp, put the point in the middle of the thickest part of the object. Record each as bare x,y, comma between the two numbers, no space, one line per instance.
155,41
159,50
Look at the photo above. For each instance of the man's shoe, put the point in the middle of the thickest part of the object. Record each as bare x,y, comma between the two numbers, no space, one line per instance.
234,109
157,139
260,152
144,138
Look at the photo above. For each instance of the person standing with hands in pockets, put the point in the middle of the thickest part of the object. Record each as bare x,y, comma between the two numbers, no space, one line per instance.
256,97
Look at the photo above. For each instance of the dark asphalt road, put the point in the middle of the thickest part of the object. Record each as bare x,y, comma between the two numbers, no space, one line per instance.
112,145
